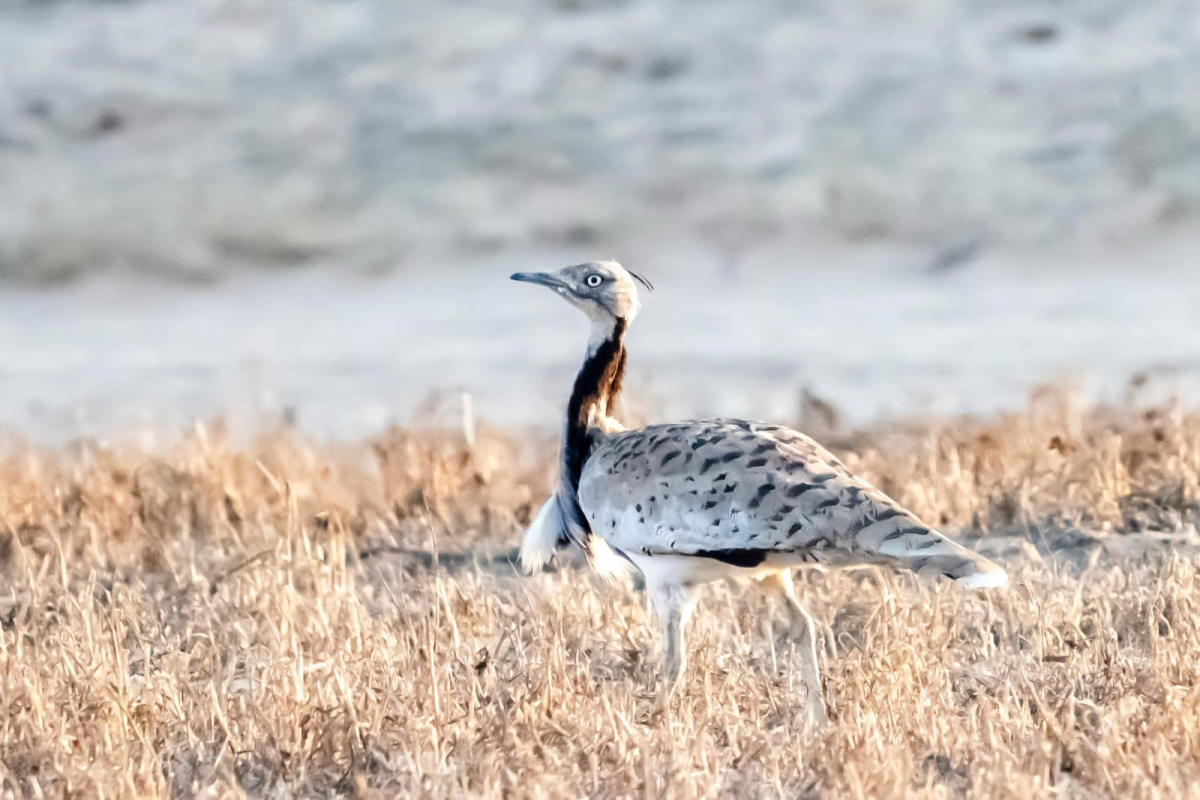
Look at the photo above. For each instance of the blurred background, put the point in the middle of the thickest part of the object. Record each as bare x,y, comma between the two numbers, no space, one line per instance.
307,210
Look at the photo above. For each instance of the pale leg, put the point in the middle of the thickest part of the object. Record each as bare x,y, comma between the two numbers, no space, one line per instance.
804,632
674,604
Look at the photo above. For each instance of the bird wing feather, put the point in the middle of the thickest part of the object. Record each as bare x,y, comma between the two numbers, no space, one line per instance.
730,486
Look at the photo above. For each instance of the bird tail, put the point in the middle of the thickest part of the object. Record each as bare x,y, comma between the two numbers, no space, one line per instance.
542,537
902,541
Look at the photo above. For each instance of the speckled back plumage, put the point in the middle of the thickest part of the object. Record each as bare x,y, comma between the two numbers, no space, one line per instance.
749,493
699,501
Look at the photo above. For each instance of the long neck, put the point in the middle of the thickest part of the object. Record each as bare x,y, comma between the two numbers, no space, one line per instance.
596,388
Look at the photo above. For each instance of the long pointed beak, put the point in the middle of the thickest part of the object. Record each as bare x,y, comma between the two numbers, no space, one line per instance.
540,278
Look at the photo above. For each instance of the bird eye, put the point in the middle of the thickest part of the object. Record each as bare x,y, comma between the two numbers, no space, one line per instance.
594,280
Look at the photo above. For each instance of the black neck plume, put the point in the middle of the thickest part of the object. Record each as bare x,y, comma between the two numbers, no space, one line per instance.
596,390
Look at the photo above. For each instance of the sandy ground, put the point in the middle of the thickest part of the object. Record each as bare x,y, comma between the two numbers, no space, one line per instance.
872,329
200,139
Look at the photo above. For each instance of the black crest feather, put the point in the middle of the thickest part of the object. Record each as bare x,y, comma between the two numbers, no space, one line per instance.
649,286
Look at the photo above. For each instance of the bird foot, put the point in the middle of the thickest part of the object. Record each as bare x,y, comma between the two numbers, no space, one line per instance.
662,704
815,718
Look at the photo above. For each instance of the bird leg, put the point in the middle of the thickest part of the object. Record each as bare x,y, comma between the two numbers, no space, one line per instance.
803,630
674,604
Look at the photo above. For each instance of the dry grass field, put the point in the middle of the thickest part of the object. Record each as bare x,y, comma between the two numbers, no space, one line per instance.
297,619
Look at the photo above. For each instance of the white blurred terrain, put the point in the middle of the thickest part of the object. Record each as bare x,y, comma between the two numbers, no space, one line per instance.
907,207
346,355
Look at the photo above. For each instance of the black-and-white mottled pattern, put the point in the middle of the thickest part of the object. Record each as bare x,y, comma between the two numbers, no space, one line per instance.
693,502
745,493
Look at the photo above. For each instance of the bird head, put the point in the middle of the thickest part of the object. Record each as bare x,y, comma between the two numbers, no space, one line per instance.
604,290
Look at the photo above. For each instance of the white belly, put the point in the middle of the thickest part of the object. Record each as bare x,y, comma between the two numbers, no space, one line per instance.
687,570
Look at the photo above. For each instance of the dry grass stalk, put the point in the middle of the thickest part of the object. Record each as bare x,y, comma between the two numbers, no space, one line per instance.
292,619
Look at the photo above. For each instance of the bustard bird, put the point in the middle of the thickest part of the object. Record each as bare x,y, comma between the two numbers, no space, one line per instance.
698,501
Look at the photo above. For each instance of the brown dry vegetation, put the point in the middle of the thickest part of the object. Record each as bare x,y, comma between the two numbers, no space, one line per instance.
293,619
